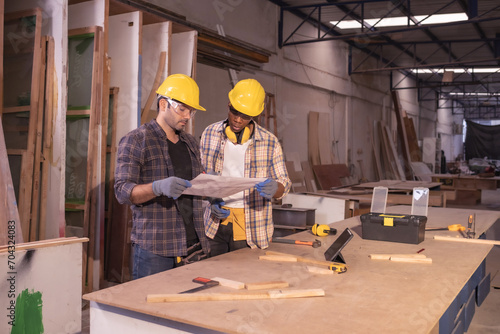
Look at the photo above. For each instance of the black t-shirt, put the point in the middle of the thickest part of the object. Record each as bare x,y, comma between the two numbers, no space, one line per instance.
181,160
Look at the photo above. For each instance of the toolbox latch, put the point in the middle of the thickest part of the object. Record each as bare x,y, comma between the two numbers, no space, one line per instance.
388,221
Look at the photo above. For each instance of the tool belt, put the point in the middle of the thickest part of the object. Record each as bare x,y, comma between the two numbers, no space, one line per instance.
194,253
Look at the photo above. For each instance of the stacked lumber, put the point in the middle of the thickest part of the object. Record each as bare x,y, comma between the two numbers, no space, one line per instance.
327,173
27,123
392,168
300,173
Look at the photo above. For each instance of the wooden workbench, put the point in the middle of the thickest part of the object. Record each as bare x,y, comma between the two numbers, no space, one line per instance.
459,181
467,188
373,295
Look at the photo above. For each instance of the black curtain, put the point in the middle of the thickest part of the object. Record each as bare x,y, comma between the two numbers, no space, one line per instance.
482,141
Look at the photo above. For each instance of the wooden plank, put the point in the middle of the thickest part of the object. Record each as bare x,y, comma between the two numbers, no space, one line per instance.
93,184
312,138
376,152
427,260
20,14
82,31
196,297
37,154
421,171
267,285
8,206
47,134
270,113
26,171
415,152
106,73
104,163
78,112
309,176
389,172
468,241
118,249
322,263
297,177
389,256
329,176
398,185
13,110
229,283
280,258
225,45
393,155
46,243
324,139
2,13
402,136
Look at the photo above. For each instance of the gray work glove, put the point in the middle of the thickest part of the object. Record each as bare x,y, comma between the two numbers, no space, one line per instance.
267,188
170,187
217,210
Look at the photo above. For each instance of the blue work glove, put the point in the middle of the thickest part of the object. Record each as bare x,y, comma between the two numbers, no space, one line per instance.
170,187
217,209
267,188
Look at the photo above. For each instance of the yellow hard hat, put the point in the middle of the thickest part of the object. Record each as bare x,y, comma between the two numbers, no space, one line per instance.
182,88
247,97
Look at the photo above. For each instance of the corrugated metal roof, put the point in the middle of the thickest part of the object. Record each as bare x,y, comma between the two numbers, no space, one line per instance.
471,44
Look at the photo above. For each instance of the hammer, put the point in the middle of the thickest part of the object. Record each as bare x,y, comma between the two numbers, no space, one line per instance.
315,244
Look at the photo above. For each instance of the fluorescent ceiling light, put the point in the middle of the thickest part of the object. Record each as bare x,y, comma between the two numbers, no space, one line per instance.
474,94
456,70
401,21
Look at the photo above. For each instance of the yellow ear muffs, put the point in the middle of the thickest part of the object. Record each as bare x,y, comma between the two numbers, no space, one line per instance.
241,138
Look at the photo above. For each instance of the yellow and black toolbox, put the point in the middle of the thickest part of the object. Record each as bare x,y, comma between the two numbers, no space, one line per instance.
408,229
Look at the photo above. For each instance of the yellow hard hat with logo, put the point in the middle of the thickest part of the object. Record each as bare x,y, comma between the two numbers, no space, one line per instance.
182,88
247,97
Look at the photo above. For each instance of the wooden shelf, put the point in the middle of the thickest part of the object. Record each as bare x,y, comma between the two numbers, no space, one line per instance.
12,110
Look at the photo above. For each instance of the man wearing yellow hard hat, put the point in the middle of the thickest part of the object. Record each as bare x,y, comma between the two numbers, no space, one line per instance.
154,165
239,147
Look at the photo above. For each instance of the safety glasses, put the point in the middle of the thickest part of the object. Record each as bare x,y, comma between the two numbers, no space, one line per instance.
181,109
236,113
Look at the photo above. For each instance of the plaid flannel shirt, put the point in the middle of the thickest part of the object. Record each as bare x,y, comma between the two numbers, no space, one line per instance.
263,158
142,158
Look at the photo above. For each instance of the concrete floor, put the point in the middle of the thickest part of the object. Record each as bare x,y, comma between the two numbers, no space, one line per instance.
486,318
